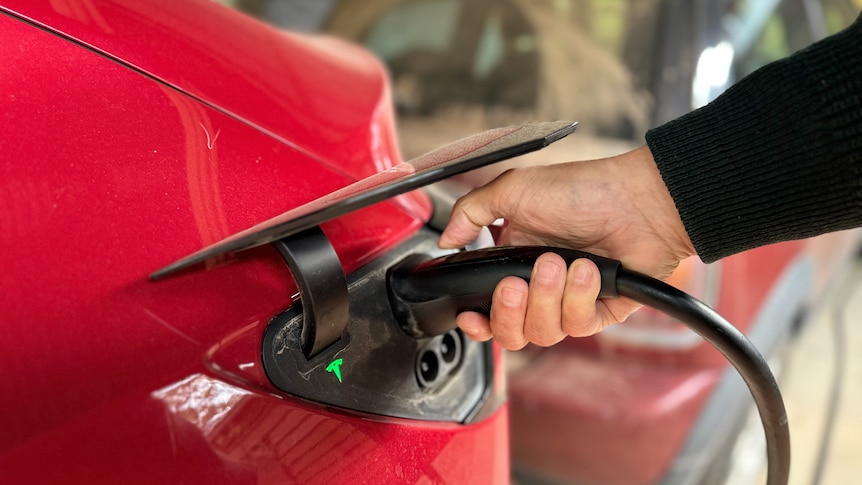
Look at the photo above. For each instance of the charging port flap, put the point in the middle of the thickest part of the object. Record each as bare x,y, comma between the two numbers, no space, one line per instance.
461,156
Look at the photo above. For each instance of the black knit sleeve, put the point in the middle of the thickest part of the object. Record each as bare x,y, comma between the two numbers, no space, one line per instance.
776,157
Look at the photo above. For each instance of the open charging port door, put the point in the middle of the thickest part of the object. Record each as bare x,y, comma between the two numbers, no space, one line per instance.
341,345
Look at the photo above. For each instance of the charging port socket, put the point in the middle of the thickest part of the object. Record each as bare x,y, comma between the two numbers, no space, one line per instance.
439,359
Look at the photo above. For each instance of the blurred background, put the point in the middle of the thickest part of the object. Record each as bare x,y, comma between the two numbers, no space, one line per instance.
618,67
647,402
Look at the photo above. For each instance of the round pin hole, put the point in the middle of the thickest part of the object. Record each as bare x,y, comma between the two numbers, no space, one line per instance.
450,347
427,368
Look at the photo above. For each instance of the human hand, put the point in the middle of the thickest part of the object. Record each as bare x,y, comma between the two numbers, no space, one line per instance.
616,207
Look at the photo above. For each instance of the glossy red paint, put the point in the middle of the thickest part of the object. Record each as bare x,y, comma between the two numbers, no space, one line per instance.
107,174
244,71
200,429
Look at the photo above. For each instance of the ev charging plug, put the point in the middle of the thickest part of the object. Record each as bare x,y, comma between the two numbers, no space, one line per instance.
427,295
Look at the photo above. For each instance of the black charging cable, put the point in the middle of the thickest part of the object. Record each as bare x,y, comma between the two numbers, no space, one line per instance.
427,295
738,350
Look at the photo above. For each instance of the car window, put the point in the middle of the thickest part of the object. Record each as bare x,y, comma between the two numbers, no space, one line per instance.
509,60
838,14
462,66
295,15
414,26
771,44
767,31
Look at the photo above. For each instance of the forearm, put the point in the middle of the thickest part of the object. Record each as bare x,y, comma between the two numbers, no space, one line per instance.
777,157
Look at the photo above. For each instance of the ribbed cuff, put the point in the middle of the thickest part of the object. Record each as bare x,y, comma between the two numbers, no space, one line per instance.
774,158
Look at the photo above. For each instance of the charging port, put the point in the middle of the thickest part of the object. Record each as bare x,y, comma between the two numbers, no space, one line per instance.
450,348
439,359
428,368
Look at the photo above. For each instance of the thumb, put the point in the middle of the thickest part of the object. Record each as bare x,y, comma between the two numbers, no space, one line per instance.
470,214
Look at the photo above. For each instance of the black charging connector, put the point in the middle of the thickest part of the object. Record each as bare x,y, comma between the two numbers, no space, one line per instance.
427,295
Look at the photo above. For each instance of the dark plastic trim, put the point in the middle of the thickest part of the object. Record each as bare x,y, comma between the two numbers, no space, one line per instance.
322,287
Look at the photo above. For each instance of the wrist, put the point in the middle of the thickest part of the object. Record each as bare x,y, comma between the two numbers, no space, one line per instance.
658,206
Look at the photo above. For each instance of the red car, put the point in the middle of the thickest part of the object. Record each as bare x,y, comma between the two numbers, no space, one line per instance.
647,402
136,133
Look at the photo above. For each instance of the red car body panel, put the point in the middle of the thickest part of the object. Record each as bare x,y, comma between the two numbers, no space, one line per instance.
244,72
179,124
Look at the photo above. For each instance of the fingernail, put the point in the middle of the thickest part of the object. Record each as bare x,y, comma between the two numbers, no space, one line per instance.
583,275
512,297
547,271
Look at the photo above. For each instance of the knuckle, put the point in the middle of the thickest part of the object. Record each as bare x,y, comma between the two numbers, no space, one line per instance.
579,312
578,320
463,203
509,332
510,340
514,345
508,175
542,337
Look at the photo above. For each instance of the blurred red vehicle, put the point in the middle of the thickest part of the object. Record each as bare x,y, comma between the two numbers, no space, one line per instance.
134,133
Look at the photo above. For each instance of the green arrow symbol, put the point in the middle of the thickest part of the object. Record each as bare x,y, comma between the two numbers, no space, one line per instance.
335,368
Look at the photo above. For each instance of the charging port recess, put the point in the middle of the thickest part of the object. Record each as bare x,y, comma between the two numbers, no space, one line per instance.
375,366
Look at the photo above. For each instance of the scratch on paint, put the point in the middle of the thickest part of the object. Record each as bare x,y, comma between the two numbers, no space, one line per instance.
210,143
170,327
171,432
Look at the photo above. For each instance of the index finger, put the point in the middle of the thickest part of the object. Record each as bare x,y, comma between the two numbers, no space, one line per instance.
470,214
